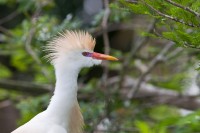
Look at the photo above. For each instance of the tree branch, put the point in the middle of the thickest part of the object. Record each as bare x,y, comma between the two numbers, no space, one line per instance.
29,39
169,17
106,39
6,31
8,17
151,94
183,7
148,93
104,25
114,27
151,66
136,46
186,45
24,86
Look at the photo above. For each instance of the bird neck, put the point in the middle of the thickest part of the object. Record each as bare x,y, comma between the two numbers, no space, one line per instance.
65,94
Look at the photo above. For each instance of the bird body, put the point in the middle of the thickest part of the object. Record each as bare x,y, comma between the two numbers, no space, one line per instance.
69,53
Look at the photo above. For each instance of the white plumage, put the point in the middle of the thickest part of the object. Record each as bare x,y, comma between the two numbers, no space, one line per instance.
68,52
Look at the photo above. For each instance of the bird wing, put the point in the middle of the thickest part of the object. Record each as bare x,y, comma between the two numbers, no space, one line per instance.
38,125
33,128
40,128
57,129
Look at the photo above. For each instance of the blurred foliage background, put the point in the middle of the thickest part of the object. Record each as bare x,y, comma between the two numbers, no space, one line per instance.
154,88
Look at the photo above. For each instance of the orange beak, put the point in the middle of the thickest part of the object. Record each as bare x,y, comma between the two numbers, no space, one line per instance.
103,56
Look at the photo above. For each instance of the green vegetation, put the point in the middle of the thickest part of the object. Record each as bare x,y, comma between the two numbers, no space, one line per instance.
140,34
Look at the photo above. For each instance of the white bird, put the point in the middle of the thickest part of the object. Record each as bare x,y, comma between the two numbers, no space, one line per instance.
69,52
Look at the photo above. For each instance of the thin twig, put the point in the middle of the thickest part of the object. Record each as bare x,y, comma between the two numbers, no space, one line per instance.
8,17
105,36
185,44
31,35
107,51
128,130
174,53
183,7
95,125
6,31
136,46
28,45
169,17
132,1
154,94
29,39
24,86
114,27
151,66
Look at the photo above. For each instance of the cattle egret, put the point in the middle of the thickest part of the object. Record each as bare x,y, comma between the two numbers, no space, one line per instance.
68,52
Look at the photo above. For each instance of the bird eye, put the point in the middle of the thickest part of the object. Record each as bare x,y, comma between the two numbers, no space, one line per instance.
87,54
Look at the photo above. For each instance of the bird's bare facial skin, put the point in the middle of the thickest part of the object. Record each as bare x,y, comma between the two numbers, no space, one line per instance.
99,56
87,54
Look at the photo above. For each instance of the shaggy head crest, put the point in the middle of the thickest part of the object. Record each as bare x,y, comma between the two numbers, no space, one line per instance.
69,41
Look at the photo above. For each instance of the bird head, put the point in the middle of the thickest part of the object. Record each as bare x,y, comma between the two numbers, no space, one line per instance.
74,47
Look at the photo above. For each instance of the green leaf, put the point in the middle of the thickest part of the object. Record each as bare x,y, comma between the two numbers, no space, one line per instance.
143,127
4,72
